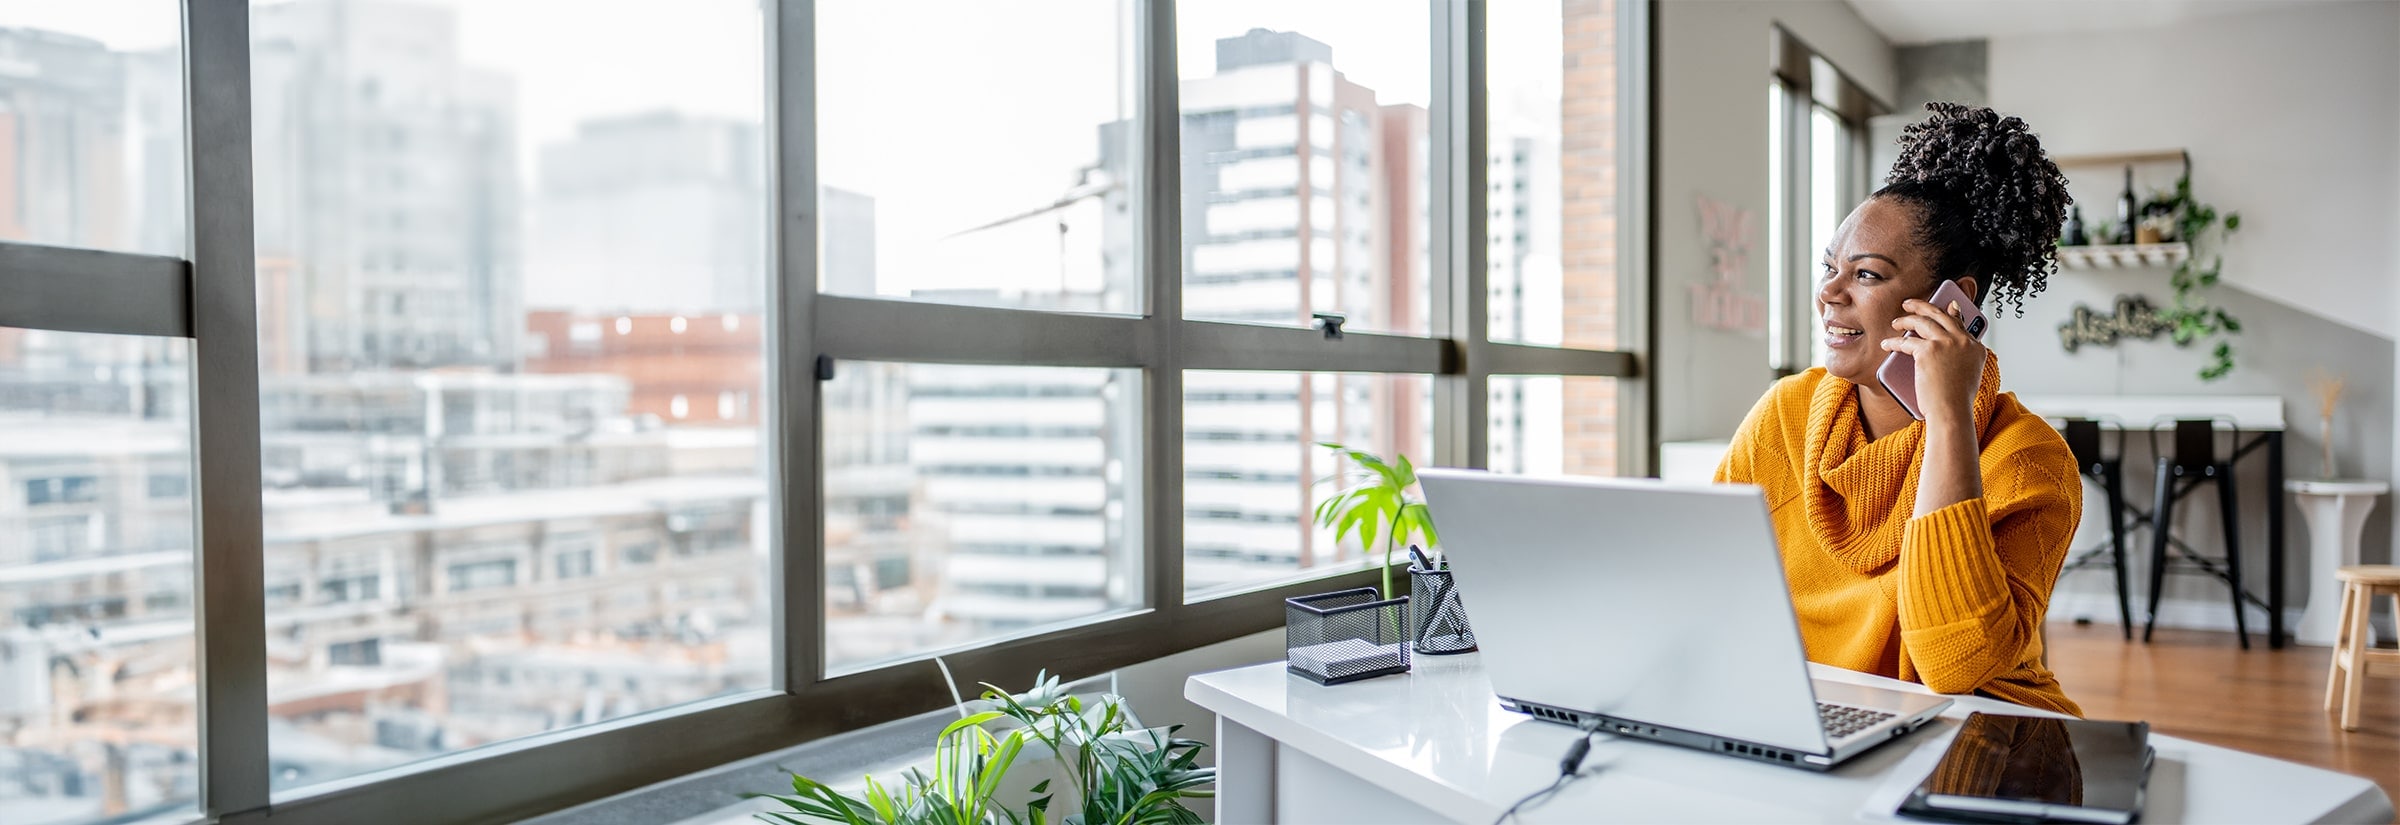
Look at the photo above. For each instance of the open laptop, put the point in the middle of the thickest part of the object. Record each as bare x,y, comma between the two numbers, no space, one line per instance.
1650,610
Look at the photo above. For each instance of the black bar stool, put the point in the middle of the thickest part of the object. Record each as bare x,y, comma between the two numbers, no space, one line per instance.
2083,438
2195,458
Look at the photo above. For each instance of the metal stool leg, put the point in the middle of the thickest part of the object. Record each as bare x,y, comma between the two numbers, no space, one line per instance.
2160,519
2229,504
2113,480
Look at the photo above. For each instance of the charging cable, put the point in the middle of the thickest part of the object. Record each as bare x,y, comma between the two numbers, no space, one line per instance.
1570,768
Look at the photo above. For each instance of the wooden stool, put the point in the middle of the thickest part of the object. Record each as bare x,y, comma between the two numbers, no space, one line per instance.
2352,661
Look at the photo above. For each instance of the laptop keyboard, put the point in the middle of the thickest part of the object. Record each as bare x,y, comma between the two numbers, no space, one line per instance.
1843,720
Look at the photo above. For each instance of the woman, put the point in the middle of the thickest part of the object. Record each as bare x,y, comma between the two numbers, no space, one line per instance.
1925,550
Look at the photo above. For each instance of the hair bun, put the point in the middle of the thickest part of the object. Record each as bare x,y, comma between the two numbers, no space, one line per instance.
1987,172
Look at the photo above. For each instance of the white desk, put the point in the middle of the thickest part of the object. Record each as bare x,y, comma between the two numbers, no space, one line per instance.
1433,746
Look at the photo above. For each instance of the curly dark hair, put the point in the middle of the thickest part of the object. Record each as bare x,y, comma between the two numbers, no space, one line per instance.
1988,202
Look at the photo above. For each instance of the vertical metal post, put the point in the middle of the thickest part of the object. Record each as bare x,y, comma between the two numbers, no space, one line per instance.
1459,177
231,612
796,461
1637,202
1158,183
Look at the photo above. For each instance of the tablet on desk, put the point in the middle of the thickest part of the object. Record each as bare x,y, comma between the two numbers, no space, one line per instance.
2029,769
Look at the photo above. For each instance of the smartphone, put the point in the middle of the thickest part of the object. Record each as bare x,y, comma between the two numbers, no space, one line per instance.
1899,372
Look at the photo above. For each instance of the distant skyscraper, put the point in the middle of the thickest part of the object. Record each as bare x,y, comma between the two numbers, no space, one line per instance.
1301,194
658,212
394,200
63,142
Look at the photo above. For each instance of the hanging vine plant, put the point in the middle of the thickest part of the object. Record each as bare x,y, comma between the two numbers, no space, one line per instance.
2193,317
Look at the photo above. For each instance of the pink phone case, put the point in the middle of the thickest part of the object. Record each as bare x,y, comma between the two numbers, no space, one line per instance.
1899,371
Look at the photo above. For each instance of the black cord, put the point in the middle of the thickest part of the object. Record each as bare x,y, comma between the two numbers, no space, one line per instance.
1570,768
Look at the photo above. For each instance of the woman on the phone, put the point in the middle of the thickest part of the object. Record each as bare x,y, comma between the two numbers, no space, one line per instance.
1925,550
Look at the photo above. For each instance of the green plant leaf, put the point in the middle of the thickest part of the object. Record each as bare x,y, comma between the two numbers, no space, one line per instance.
2233,221
1417,518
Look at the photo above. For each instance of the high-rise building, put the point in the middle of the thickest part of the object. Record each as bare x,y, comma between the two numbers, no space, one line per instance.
659,212
1301,194
394,205
86,142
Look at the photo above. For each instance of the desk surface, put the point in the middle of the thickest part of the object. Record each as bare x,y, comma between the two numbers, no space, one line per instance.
1437,738
2251,412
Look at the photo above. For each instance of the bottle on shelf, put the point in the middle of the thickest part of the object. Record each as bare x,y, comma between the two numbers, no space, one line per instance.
2072,234
2128,210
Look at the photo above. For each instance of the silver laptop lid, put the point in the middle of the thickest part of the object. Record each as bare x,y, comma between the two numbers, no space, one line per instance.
1638,599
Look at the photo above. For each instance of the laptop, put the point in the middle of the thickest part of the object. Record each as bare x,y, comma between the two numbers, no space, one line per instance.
1651,610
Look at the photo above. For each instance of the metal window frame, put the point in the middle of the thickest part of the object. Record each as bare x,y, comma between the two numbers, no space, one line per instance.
1808,80
209,297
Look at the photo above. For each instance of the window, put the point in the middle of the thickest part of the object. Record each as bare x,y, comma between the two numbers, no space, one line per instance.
1554,425
1816,169
944,180
91,125
1250,458
478,400
968,502
1305,171
96,642
543,337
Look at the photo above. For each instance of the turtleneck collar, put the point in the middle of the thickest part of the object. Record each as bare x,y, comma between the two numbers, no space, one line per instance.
1853,485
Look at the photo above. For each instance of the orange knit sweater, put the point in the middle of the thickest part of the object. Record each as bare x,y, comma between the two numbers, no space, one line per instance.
1953,600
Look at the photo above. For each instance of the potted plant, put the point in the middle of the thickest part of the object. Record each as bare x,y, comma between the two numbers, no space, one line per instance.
1375,505
1115,773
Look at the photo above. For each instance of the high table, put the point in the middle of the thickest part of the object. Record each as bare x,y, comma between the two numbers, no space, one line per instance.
1433,745
2258,415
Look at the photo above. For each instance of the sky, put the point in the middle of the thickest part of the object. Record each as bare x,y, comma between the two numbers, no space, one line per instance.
989,114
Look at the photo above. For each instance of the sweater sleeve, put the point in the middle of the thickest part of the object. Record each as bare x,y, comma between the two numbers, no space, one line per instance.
1975,577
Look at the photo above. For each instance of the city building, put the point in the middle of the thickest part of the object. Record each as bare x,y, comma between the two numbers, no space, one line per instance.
656,212
390,190
1309,196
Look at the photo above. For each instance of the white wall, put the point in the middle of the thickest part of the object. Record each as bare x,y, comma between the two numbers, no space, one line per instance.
2289,118
1712,123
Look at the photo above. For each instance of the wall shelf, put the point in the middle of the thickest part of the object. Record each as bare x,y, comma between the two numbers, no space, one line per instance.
2128,256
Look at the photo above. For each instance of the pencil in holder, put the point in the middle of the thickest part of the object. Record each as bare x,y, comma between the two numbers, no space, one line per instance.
1437,621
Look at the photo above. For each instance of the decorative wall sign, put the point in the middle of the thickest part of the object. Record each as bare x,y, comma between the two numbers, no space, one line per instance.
1724,302
2135,318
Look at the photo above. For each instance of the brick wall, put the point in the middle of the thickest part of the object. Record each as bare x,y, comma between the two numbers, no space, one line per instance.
1588,226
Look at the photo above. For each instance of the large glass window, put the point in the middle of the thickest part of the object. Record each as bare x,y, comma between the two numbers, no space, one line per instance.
1551,209
1251,459
91,125
964,503
515,477
1554,425
97,676
1305,162
511,291
984,159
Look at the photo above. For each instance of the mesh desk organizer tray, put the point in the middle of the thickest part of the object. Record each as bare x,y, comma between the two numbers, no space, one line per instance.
1345,636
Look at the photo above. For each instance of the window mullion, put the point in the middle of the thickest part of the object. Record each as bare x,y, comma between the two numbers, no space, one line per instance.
1159,179
796,462
1462,311
231,614
90,290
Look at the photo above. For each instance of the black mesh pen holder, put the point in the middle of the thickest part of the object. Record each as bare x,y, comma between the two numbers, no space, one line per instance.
1345,636
1437,622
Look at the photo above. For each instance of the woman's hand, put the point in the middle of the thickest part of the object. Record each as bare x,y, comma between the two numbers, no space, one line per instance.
1949,361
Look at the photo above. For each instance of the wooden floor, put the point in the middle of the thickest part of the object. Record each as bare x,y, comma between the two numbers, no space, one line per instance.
2202,686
